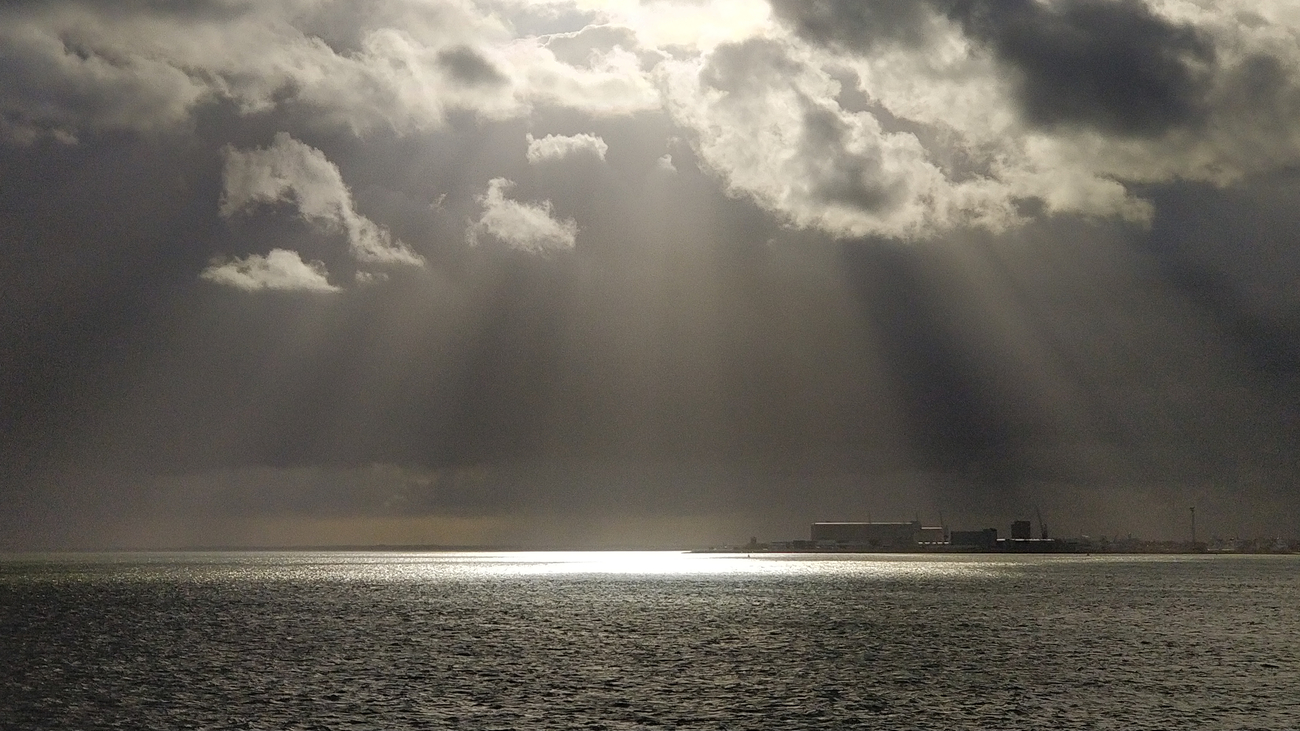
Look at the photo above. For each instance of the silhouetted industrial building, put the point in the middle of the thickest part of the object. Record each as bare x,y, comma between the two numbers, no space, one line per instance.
931,535
986,539
1020,530
877,536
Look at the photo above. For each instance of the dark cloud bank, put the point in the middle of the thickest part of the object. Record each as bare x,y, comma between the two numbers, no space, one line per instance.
682,366
1109,64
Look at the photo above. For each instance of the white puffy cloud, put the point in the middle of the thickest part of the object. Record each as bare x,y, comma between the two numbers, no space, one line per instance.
665,164
767,120
556,147
281,269
291,171
527,227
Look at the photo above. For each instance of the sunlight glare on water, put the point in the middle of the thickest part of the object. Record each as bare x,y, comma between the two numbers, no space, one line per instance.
435,567
686,564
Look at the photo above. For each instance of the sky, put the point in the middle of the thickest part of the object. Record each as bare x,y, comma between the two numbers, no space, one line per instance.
657,273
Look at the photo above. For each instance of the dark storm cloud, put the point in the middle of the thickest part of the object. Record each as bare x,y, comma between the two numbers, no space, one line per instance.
1112,65
1108,64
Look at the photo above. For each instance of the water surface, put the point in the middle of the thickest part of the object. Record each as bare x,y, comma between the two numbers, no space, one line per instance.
647,641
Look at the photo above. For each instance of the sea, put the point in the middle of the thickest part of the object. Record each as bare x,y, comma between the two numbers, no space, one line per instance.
647,640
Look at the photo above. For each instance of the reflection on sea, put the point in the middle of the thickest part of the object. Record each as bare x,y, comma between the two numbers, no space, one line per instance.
452,565
675,563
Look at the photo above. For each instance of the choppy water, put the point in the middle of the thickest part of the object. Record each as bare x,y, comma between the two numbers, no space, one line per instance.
647,641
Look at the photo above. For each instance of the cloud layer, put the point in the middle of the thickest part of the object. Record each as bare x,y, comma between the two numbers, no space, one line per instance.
963,109
400,65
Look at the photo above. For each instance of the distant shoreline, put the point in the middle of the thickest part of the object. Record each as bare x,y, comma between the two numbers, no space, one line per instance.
751,551
999,551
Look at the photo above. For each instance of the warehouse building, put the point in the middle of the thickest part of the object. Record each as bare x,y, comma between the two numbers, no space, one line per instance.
986,539
875,536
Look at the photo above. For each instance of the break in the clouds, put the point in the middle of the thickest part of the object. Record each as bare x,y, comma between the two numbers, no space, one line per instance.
557,147
530,227
278,270
292,172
